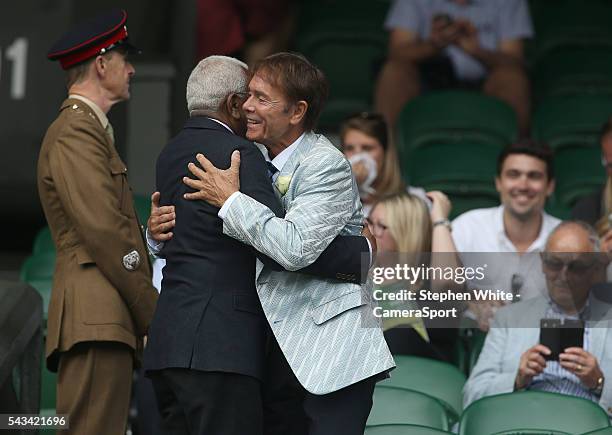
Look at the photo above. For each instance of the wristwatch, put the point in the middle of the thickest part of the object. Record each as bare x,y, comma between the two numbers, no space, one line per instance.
444,222
598,389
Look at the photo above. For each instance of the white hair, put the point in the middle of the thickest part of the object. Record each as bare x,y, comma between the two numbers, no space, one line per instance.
212,80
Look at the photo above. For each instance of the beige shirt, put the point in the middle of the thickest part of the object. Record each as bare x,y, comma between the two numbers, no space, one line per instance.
106,125
99,113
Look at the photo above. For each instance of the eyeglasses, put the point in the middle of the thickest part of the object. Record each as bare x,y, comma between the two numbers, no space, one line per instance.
376,228
575,267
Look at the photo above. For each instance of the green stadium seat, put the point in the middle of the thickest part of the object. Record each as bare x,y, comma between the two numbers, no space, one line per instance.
558,210
38,267
534,411
571,23
456,168
399,406
574,72
571,121
531,432
43,241
341,15
351,80
450,141
604,431
579,172
456,116
403,429
441,381
466,202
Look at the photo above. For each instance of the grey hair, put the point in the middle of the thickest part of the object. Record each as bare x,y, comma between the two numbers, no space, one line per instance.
593,236
212,80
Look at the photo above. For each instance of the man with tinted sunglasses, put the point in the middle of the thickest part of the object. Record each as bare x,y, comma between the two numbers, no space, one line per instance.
514,358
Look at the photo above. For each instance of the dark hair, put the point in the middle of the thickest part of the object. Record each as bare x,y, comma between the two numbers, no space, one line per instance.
531,148
298,79
371,124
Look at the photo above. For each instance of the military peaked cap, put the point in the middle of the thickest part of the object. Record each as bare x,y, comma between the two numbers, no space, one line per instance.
92,38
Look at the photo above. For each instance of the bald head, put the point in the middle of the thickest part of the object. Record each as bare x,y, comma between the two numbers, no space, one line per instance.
573,236
571,264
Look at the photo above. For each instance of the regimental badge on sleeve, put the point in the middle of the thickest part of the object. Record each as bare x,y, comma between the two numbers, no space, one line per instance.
131,260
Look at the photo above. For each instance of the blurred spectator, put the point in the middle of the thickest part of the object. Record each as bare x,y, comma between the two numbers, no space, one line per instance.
596,209
248,29
513,359
472,44
366,144
402,224
518,227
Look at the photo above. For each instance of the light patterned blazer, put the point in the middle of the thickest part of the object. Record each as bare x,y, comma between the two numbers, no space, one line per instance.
326,329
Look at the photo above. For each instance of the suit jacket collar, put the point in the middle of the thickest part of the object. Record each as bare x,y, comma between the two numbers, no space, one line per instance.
205,123
298,155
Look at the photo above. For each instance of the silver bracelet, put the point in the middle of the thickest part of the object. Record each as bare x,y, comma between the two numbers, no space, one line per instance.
444,222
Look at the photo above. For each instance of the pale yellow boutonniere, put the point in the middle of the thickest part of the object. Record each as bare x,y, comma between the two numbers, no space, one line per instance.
282,183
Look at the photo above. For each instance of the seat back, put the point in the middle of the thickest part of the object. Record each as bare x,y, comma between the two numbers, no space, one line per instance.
574,71
38,267
352,80
442,381
399,406
453,116
403,429
535,410
571,121
43,241
578,172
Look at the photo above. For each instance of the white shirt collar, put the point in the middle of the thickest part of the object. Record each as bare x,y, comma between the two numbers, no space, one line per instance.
538,243
222,123
282,158
99,113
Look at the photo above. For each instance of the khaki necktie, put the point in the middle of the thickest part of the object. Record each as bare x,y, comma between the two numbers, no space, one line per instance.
110,132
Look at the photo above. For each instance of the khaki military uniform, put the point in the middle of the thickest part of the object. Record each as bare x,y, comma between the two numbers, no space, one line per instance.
102,299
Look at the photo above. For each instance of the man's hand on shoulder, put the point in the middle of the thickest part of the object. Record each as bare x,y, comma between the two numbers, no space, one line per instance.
213,185
161,220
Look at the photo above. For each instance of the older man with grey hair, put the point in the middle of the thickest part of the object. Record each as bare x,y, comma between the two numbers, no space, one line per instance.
208,342
515,357
206,345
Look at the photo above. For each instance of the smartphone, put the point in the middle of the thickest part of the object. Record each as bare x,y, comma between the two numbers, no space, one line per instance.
558,335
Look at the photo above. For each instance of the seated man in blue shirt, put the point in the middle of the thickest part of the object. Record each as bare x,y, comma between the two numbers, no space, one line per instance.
455,43
513,359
